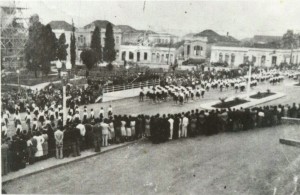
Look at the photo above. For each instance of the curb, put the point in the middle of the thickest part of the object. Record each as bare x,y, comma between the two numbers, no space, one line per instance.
65,163
290,142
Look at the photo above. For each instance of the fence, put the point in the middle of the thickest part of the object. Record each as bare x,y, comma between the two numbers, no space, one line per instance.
113,88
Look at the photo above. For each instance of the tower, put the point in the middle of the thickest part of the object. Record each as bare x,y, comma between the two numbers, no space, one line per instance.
13,33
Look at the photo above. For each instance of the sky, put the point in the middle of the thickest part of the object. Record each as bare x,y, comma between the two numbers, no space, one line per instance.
242,19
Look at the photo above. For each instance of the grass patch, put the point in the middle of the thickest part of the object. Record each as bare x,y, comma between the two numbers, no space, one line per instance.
260,95
230,103
28,78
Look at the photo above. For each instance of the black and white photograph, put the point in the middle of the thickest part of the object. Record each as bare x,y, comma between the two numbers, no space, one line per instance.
150,97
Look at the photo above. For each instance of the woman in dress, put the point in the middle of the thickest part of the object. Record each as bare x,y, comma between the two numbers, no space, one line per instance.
45,145
132,126
123,130
112,131
147,126
40,140
128,129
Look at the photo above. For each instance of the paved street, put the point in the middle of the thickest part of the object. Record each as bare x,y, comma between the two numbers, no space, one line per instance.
251,162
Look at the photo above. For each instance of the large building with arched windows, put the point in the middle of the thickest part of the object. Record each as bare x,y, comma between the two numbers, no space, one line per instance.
265,57
147,54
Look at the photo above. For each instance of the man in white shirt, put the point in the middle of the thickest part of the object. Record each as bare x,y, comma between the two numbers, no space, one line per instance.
171,121
101,113
185,122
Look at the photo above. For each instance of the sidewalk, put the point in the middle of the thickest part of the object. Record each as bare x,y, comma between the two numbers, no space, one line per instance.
53,162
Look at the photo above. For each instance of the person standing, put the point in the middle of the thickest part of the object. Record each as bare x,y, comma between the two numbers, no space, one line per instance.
40,140
4,157
109,111
97,132
105,131
171,122
101,113
147,126
185,123
59,136
28,121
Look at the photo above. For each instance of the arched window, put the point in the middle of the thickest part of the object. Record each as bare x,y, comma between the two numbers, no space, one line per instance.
157,57
227,58
197,50
263,60
162,58
131,55
220,57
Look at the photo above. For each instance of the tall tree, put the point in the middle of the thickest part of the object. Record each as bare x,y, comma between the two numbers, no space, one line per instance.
62,47
73,47
109,46
33,48
89,58
49,48
96,43
288,39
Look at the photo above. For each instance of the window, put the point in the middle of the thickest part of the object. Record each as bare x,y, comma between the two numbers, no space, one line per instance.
220,57
145,56
157,57
226,58
232,58
117,39
263,60
162,57
188,49
153,57
246,59
197,50
253,59
130,55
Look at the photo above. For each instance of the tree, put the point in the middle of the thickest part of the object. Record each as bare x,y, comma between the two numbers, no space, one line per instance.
89,58
62,47
73,47
289,42
33,48
49,48
96,43
109,46
109,66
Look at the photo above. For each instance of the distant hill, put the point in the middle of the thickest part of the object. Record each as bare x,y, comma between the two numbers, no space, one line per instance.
214,37
99,23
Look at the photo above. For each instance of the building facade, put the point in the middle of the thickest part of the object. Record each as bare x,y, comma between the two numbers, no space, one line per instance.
235,56
162,38
147,54
196,48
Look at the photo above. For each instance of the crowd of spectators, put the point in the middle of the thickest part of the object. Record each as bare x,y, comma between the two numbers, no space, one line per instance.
93,132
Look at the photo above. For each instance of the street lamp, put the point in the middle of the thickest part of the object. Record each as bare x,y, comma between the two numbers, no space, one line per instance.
58,66
68,67
18,72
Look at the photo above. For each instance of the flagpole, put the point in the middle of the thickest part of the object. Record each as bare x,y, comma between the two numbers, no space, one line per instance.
249,82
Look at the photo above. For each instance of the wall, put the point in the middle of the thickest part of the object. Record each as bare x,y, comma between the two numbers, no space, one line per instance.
130,53
281,55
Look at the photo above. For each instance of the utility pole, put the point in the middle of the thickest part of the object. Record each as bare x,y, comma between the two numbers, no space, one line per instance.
249,82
